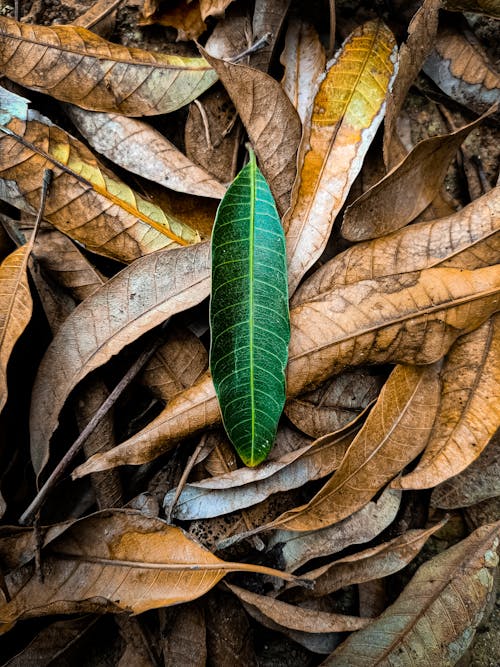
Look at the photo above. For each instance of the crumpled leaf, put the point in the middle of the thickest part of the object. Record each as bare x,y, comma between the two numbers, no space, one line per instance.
409,318
271,121
88,202
460,67
395,432
448,594
469,414
245,487
386,206
478,482
304,61
117,560
142,150
74,65
134,301
467,239
348,109
296,549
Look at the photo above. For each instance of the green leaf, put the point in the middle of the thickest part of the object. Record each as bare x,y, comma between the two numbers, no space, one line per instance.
250,326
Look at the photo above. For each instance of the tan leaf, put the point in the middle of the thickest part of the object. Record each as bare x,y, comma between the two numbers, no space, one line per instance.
436,616
15,308
142,150
185,644
335,404
268,19
482,6
412,54
99,17
185,17
304,60
134,301
461,68
409,318
380,561
469,414
271,121
395,432
478,482
213,7
348,109
387,205
88,202
74,65
118,560
229,635
467,239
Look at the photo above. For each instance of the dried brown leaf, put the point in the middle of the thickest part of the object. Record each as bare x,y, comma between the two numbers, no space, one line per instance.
74,65
469,414
268,19
185,17
229,635
489,7
185,644
386,206
436,616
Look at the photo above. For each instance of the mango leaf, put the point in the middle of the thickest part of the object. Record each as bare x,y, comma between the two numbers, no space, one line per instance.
467,239
386,206
117,560
268,18
74,65
395,432
229,635
489,7
182,16
271,121
348,109
469,414
134,301
387,319
250,327
185,644
139,148
88,202
449,594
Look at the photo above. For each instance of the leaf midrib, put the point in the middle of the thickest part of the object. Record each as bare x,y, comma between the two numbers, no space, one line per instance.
251,269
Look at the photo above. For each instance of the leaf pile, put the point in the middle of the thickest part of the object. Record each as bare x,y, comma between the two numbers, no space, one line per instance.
352,333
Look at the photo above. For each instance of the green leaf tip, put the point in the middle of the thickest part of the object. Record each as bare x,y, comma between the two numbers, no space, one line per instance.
249,320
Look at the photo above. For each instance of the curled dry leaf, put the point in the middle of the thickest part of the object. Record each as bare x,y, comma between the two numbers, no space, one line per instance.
88,202
460,67
134,301
296,549
271,121
304,60
395,432
114,561
469,414
74,65
246,487
142,150
335,404
408,318
386,206
412,54
348,109
449,594
182,16
478,482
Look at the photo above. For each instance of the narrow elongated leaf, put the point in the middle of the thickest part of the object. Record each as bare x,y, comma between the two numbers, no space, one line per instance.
469,414
74,65
118,560
268,18
348,109
410,318
489,7
436,616
250,327
88,202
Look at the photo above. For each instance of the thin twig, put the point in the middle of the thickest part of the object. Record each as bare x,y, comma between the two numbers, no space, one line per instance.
256,46
63,464
182,482
206,126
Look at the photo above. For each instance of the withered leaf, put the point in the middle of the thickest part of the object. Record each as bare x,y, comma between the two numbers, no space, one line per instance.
469,414
88,202
142,150
467,239
131,303
409,318
386,206
268,18
348,108
118,560
183,16
482,6
77,66
271,121
229,635
185,644
449,593
478,482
